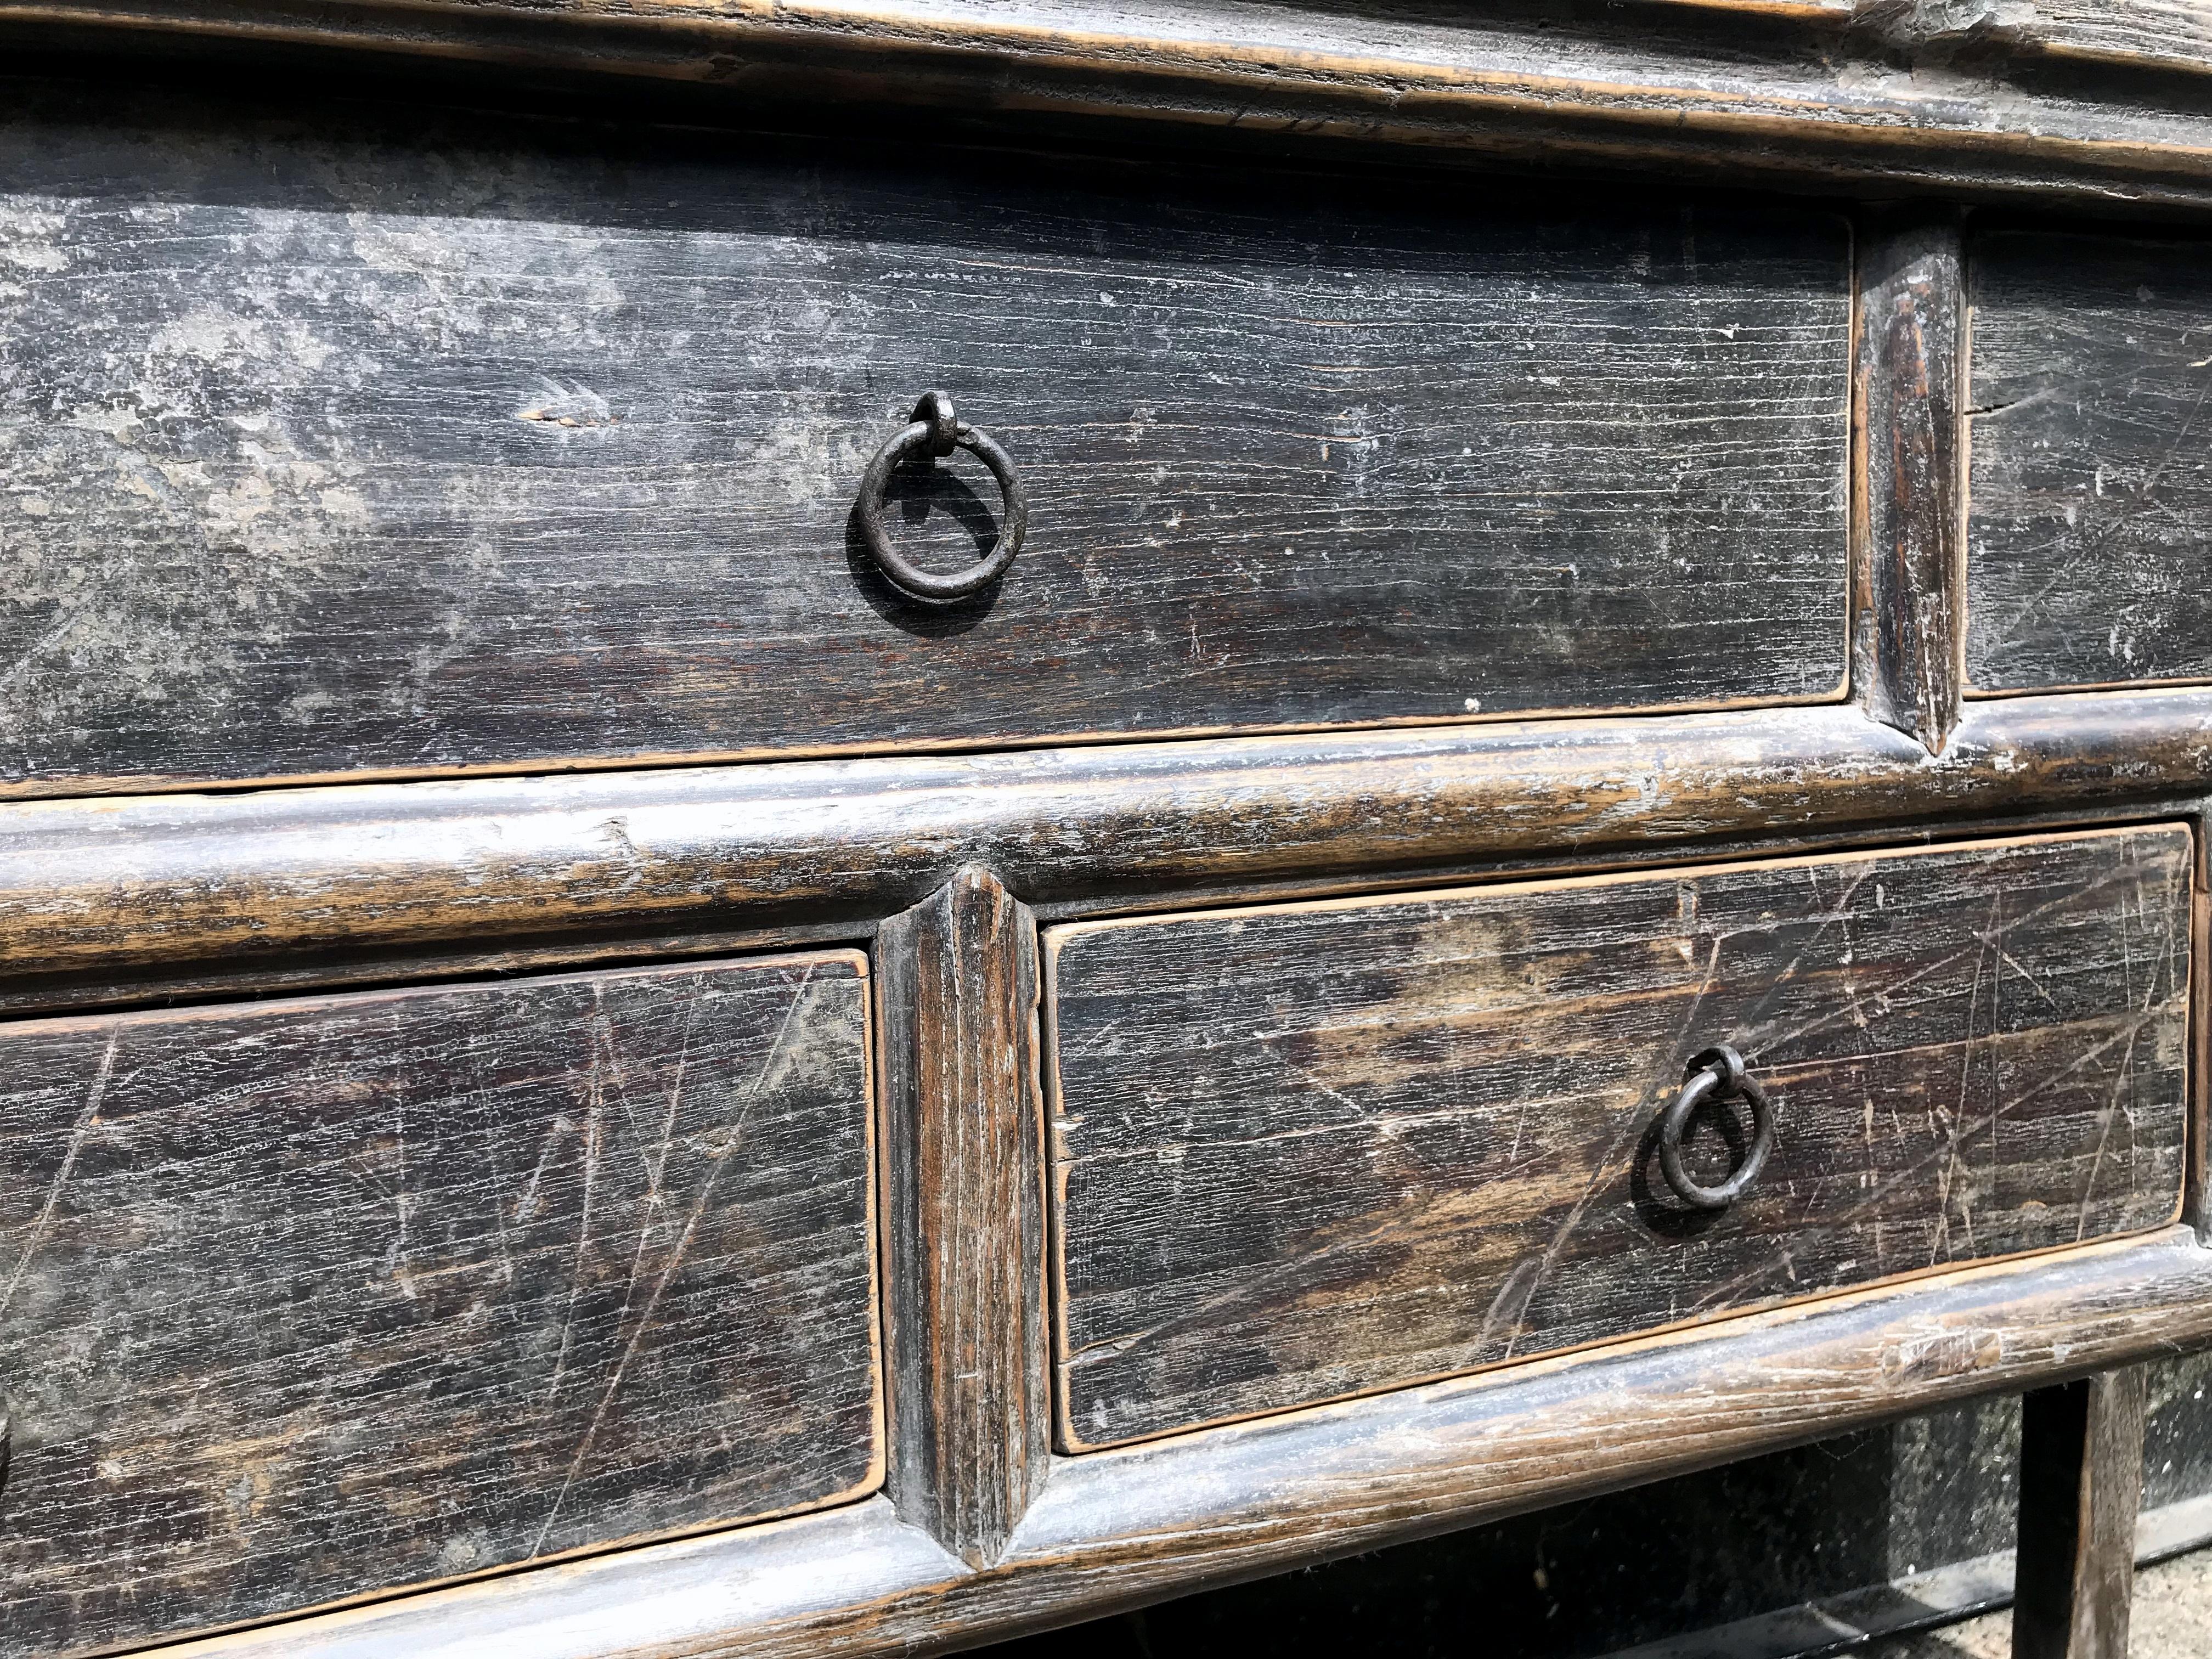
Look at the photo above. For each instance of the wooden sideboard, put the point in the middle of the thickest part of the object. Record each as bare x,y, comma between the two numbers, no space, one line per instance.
1572,848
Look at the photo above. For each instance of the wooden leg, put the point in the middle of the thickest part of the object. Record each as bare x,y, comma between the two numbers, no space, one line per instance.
2080,1481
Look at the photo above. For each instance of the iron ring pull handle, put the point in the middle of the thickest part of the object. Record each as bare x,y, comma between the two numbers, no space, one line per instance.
934,427
1718,1073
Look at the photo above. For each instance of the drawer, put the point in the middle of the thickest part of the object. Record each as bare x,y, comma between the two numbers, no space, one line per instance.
425,449
1307,1151
2090,487
309,1299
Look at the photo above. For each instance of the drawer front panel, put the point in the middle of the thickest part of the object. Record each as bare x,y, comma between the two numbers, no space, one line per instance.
306,1300
438,453
1305,1152
2091,493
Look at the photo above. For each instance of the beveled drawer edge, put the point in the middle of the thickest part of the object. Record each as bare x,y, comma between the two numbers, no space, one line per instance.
1965,839
143,896
119,786
1118,1528
1974,693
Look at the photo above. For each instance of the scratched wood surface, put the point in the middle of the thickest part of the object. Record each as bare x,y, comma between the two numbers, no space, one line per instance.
1305,1152
2090,497
428,448
304,1300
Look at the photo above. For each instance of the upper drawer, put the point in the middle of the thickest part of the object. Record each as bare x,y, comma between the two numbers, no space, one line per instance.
335,456
2091,489
1307,1151
306,1300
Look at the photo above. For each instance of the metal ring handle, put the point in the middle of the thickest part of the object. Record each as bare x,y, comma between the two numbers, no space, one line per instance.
935,427
1720,1072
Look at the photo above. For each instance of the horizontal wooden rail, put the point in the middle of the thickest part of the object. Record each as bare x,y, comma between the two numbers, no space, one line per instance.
91,890
1115,1529
2077,99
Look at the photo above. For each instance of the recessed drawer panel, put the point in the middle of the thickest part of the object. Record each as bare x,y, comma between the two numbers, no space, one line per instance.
305,1300
2091,491
437,450
1309,1151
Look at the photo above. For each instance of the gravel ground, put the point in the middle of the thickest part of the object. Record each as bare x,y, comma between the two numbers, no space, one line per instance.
2171,1620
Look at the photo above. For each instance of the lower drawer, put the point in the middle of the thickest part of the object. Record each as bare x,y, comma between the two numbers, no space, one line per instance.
308,1299
1309,1151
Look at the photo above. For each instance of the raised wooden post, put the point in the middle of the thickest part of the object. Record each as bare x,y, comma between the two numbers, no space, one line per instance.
1912,342
964,1188
2080,1481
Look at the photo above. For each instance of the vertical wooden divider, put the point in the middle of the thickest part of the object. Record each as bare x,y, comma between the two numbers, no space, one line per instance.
1908,494
2194,1205
964,1326
2081,1484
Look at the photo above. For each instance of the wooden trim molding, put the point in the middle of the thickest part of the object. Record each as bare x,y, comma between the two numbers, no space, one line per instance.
1865,93
2193,1206
965,1214
1115,1529
1911,328
116,899
1913,97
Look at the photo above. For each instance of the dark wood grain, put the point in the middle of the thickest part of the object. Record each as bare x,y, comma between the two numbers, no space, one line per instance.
431,449
135,897
1118,1528
2092,447
1305,1152
2018,101
2081,1480
306,1300
1911,318
970,1357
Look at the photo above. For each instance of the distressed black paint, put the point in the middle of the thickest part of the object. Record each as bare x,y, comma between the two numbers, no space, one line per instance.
2090,502
309,1299
431,450
1309,1151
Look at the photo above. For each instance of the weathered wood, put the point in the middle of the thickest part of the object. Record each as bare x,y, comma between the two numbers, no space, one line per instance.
2154,34
2092,486
2196,1203
307,1300
1309,1151
136,897
1966,99
964,1328
1120,1528
438,448
2081,1477
1911,342
2160,34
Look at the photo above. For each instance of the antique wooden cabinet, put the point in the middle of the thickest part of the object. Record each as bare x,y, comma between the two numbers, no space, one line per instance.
837,828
